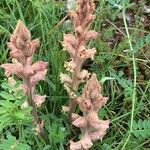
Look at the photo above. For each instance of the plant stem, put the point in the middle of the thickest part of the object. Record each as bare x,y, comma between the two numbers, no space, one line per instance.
72,107
35,115
20,130
135,75
76,82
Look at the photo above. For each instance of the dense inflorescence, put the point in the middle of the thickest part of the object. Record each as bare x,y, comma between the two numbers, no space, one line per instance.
91,100
22,50
75,45
91,126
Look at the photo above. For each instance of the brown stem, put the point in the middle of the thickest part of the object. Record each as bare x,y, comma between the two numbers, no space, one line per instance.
35,115
74,87
76,82
72,107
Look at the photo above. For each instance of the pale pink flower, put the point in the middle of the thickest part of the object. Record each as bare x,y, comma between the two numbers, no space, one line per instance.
86,53
79,121
11,81
87,20
71,39
84,144
91,100
84,75
86,141
98,134
25,88
74,18
39,99
25,104
91,126
39,66
22,50
20,32
65,109
80,30
10,69
18,55
37,77
70,66
75,145
28,71
75,44
91,35
90,53
34,45
39,127
64,78
20,43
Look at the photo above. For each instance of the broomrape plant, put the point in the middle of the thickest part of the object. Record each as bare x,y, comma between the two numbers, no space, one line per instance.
91,100
22,50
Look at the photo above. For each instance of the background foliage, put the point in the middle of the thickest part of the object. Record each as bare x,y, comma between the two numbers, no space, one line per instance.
112,64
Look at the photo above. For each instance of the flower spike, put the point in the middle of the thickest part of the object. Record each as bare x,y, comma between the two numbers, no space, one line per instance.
22,50
91,100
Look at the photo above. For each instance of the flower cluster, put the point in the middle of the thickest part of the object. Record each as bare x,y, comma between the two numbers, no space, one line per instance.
91,101
75,45
91,126
22,50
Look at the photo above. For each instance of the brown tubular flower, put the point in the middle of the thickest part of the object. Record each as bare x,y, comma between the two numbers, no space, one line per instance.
75,45
91,126
22,50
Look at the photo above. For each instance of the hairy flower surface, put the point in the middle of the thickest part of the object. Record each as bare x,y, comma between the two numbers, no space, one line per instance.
22,50
91,126
38,99
20,43
91,101
75,45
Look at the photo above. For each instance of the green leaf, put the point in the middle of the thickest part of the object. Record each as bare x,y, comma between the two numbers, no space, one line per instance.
141,42
27,109
141,129
47,147
2,110
5,86
7,95
19,93
20,101
19,115
7,121
6,104
12,144
51,84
